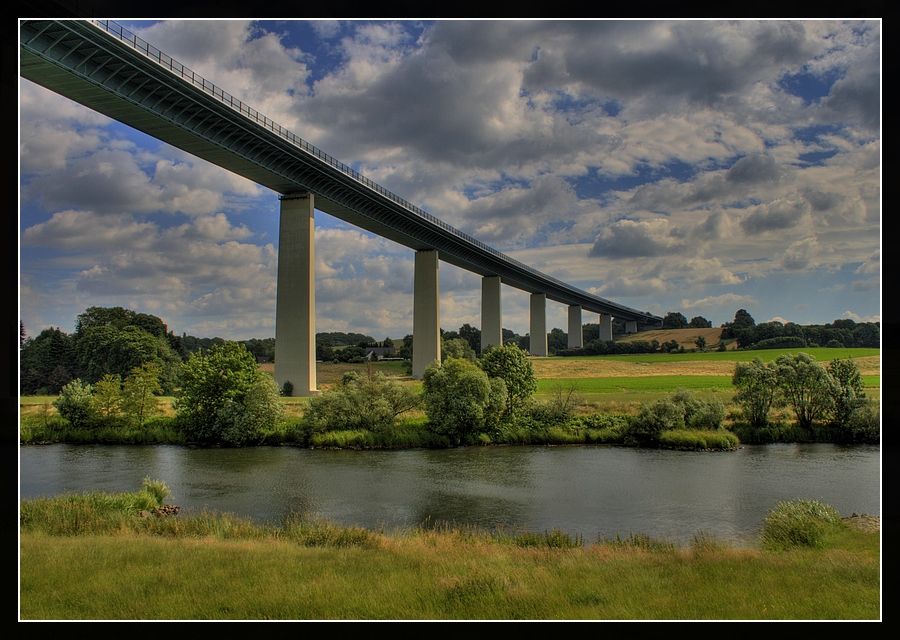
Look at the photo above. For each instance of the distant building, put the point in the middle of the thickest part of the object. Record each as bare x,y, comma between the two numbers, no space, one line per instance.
373,354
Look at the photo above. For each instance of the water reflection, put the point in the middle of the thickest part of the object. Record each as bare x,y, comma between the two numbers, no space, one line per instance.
594,491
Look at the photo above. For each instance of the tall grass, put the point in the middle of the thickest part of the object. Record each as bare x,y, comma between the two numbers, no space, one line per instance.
800,523
218,566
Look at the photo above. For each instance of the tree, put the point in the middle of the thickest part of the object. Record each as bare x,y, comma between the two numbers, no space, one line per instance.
674,320
849,396
75,404
456,348
806,386
108,395
460,399
699,322
139,393
557,340
471,335
243,421
757,384
211,382
510,364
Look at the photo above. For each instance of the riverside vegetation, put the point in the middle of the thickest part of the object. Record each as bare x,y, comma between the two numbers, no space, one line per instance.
224,398
809,565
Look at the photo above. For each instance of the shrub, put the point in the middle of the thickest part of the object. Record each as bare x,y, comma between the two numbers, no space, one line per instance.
652,420
243,422
211,385
800,523
75,404
708,416
864,425
561,406
372,402
460,399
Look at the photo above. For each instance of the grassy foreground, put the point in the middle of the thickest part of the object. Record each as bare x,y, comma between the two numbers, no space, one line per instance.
94,557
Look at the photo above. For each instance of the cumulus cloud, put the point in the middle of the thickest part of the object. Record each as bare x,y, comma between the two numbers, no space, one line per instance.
800,254
635,238
665,162
774,216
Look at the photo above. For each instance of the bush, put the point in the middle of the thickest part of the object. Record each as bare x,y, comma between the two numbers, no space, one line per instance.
214,393
371,402
652,420
460,399
243,422
75,404
800,523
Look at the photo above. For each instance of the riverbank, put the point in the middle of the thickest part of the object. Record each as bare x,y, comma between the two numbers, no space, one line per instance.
220,567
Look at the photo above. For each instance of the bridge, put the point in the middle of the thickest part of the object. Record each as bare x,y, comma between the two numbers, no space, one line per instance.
101,65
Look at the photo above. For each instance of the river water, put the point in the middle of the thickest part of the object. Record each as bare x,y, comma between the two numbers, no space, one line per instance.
595,491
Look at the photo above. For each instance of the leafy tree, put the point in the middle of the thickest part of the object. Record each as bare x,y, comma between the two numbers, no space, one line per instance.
243,421
460,399
848,392
510,364
211,382
699,322
557,340
108,395
674,320
743,320
806,386
471,335
757,384
139,392
700,341
75,404
456,348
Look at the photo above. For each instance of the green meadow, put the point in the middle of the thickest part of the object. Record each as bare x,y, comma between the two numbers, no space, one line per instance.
104,556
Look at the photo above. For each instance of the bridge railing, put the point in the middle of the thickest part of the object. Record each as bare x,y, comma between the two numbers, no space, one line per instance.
189,75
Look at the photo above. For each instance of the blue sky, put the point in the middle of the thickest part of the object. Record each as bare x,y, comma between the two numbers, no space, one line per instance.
692,166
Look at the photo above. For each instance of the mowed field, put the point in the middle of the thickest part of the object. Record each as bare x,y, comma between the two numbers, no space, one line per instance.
622,367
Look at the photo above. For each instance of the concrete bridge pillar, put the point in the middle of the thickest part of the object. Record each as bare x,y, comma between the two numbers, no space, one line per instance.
491,315
295,306
576,332
538,333
631,326
606,327
426,313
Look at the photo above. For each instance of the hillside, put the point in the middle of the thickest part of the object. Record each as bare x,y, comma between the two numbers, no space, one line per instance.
684,337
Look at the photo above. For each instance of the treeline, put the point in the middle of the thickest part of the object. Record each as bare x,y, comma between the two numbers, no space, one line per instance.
115,341
843,333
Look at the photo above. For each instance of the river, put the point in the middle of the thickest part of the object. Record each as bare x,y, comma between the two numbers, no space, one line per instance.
595,491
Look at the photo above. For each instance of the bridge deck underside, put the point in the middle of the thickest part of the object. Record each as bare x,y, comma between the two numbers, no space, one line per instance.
83,63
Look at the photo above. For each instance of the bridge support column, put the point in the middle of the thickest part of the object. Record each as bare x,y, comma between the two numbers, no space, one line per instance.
426,313
576,333
631,326
295,306
538,333
491,315
605,327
